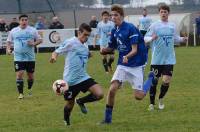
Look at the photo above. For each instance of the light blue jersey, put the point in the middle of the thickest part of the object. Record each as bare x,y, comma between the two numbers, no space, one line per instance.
19,37
144,23
104,31
163,47
76,57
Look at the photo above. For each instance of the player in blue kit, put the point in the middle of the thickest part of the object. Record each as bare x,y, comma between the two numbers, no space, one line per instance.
24,38
103,32
162,35
75,74
129,42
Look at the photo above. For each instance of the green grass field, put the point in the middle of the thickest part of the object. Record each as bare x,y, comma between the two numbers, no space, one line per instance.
44,111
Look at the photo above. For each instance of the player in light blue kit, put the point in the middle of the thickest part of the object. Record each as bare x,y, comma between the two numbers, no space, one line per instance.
24,38
103,32
129,42
162,35
75,74
144,22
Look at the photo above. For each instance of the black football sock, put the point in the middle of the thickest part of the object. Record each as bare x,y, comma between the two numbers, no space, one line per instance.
163,90
88,98
105,64
20,85
67,112
30,83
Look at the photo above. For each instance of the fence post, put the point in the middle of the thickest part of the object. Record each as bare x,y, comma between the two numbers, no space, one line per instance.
194,29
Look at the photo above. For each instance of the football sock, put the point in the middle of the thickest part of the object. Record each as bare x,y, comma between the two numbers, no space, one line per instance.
163,90
148,82
20,85
30,83
152,91
111,60
105,64
152,94
108,114
88,98
67,115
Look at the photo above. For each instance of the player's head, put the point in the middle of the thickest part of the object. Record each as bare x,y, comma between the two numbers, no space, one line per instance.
84,32
164,11
144,12
105,16
23,21
117,14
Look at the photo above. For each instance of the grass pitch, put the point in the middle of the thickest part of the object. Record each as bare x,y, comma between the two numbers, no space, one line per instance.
44,111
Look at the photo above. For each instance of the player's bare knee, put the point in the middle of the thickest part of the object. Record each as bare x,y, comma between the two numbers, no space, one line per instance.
99,96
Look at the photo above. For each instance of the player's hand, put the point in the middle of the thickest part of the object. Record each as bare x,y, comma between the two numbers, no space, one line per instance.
52,60
125,59
31,42
9,51
185,39
154,37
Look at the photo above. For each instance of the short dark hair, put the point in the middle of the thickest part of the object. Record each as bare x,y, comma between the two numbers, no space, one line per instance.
164,7
84,26
118,8
23,15
105,13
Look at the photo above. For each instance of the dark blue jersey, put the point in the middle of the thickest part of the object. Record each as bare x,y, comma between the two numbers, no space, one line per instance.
122,39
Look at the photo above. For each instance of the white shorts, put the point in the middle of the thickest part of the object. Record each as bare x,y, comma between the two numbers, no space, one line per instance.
134,75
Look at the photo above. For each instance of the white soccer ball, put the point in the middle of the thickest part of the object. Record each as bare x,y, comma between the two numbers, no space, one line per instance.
60,86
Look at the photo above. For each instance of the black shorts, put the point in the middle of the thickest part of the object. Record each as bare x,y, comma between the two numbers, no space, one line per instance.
74,90
162,70
29,66
143,32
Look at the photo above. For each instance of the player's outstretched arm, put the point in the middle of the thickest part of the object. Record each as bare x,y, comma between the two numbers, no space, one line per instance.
105,51
53,58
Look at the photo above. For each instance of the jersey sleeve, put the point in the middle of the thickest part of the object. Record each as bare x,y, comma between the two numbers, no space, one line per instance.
133,35
10,38
177,38
64,47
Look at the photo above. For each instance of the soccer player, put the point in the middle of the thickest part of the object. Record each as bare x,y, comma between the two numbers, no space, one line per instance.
127,39
75,74
104,28
144,22
24,38
162,34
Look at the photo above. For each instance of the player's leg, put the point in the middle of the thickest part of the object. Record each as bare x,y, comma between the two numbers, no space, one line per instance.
69,97
30,68
96,93
19,69
105,63
167,75
67,111
110,61
157,69
135,77
110,101
117,79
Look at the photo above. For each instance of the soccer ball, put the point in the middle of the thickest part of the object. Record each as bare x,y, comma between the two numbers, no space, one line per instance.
60,86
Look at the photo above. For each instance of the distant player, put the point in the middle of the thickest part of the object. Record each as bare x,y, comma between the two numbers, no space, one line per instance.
75,74
129,42
144,22
163,35
24,38
104,28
